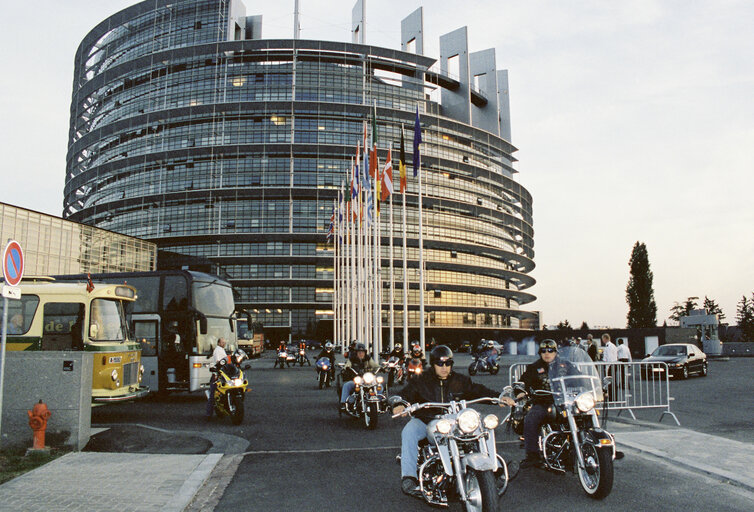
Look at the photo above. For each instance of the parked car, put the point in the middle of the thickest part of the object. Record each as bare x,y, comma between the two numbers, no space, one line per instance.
682,359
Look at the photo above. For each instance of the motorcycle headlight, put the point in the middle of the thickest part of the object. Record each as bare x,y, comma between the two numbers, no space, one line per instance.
585,402
491,421
114,375
418,370
380,380
236,382
357,380
444,426
301,352
368,378
468,421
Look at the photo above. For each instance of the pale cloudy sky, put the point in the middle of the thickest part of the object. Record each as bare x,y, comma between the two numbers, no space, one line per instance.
634,121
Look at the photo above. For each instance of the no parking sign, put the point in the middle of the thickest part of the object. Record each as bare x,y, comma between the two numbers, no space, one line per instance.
13,263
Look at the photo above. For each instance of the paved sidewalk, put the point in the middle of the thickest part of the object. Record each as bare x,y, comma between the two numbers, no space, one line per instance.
135,482
719,457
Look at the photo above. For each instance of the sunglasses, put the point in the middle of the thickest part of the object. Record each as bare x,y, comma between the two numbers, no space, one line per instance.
548,350
448,362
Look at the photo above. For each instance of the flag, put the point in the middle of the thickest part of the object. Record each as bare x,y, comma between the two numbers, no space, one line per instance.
373,155
370,206
387,177
402,164
355,181
331,229
417,141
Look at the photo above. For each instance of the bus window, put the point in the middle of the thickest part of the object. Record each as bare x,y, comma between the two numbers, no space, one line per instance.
175,294
106,322
62,326
147,291
146,334
20,314
213,300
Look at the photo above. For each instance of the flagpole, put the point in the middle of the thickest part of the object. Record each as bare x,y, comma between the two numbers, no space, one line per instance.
335,255
402,173
392,280
418,167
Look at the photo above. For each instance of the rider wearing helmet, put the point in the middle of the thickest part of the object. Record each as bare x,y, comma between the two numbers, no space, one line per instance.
329,353
489,353
439,384
416,352
537,377
397,352
357,364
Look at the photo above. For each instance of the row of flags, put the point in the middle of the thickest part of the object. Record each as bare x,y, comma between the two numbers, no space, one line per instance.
358,290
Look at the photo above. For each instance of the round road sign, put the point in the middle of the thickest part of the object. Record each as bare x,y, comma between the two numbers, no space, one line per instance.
13,263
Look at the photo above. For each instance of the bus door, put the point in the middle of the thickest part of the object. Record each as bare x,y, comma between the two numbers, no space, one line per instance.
146,329
173,353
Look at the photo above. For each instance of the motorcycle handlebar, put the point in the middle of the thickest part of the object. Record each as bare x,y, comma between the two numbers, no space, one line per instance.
444,405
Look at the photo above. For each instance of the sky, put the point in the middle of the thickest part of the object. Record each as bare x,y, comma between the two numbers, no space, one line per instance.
634,121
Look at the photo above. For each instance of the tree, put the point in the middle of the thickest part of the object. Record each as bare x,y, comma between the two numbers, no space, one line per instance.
565,325
745,317
642,309
584,326
683,309
713,308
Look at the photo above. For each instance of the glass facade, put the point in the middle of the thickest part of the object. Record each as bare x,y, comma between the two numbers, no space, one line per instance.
187,134
53,246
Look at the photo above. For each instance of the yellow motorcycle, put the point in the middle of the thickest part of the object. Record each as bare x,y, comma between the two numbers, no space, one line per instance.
231,386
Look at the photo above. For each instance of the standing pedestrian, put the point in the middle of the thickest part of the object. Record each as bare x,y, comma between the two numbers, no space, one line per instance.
610,356
591,347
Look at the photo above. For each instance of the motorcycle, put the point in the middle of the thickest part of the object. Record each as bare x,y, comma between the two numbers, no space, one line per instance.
459,459
368,399
301,358
231,387
396,371
324,372
414,368
482,364
282,359
571,438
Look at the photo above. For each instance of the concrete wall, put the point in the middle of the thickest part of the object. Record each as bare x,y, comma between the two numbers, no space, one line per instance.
63,380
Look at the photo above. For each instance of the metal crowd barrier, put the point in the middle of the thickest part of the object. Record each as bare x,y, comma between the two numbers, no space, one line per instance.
634,386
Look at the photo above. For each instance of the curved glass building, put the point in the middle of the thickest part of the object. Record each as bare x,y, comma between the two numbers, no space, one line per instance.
191,131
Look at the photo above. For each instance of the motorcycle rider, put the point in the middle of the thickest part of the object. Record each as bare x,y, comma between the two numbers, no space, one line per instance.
329,353
282,347
397,352
357,363
219,355
537,377
416,352
439,384
489,353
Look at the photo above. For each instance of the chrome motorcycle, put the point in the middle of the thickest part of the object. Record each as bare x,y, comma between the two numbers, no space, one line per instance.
396,371
368,399
571,438
459,459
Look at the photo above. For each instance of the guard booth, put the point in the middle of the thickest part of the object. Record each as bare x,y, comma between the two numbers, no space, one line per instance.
706,329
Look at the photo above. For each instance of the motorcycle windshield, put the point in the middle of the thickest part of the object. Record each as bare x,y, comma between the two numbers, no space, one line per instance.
323,361
232,371
572,373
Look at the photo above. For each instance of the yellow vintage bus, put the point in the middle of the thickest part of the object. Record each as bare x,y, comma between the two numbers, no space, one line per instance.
74,316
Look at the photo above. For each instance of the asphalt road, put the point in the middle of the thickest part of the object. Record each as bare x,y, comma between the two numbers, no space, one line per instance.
302,456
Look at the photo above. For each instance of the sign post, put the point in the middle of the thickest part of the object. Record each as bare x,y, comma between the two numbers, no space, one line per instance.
13,272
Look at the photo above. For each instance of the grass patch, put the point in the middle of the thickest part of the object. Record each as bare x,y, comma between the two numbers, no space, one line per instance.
15,462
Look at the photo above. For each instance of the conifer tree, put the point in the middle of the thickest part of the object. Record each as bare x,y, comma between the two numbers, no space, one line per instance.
642,309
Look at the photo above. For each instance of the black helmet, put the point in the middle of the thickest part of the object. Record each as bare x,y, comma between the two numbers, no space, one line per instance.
441,353
548,344
359,346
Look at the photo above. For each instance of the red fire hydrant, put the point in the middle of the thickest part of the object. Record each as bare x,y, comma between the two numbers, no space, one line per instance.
38,417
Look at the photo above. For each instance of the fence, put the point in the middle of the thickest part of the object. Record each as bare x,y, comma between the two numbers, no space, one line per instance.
634,386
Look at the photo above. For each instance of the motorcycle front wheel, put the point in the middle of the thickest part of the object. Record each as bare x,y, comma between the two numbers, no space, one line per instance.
472,369
322,379
236,410
481,492
597,477
371,416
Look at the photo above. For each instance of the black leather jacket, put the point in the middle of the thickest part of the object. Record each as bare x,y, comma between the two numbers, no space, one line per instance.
537,376
428,388
330,355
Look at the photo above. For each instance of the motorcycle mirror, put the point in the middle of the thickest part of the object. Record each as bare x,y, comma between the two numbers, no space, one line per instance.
394,400
606,382
247,367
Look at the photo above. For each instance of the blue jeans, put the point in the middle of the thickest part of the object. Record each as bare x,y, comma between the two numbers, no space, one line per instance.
414,431
211,399
491,360
348,388
533,420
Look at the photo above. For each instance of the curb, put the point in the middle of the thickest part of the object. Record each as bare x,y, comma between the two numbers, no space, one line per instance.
186,493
